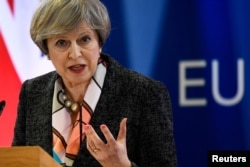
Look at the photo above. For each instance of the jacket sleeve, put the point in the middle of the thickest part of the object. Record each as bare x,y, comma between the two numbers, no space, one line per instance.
156,140
19,129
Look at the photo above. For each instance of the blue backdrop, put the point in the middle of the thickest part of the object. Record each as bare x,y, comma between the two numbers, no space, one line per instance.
200,50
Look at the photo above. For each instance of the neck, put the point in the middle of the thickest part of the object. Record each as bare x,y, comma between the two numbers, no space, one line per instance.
76,92
75,96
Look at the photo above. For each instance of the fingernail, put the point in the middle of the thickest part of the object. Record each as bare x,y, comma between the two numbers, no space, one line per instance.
103,126
87,127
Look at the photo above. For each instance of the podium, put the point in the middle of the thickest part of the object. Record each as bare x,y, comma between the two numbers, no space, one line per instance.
26,156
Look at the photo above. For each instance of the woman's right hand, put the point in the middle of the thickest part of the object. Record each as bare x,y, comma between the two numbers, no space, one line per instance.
110,154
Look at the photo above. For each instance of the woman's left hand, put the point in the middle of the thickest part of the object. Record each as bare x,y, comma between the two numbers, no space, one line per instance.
110,154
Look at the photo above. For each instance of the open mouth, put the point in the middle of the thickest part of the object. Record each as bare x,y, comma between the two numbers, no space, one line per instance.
77,68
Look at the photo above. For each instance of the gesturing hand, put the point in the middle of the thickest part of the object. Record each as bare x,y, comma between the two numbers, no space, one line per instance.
110,154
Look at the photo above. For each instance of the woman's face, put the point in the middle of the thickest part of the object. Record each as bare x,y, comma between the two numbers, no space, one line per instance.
75,54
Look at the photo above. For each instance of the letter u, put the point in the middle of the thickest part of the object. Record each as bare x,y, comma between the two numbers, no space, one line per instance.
240,84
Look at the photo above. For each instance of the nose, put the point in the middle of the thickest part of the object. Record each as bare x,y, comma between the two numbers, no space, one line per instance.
75,51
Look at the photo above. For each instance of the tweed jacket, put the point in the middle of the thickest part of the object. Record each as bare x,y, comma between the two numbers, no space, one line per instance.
126,93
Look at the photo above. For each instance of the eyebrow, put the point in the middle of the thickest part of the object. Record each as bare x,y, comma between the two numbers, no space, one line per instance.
65,35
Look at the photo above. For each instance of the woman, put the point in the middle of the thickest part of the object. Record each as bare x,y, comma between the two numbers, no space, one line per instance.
91,111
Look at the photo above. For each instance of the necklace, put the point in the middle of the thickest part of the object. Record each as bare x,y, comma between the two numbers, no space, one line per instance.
73,106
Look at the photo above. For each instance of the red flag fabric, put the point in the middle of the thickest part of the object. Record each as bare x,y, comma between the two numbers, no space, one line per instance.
20,59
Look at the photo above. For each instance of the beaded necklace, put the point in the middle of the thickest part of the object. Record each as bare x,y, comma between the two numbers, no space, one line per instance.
72,106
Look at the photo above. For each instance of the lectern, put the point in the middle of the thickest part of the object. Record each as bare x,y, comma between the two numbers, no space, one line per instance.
26,156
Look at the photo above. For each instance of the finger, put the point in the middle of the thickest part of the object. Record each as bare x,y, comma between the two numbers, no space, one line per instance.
107,134
92,138
89,131
123,130
92,148
91,145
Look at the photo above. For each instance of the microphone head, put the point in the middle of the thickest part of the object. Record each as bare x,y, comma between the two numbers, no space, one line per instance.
2,105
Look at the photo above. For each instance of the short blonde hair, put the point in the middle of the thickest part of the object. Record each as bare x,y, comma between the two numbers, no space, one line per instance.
55,17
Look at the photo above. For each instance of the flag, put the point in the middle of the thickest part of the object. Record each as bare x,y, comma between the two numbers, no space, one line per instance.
20,59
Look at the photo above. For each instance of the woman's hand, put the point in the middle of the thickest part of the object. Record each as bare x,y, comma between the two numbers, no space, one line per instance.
110,154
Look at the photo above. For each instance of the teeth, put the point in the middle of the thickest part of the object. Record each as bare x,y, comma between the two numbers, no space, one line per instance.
77,67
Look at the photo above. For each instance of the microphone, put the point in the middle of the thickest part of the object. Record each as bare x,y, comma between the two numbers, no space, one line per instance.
2,105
